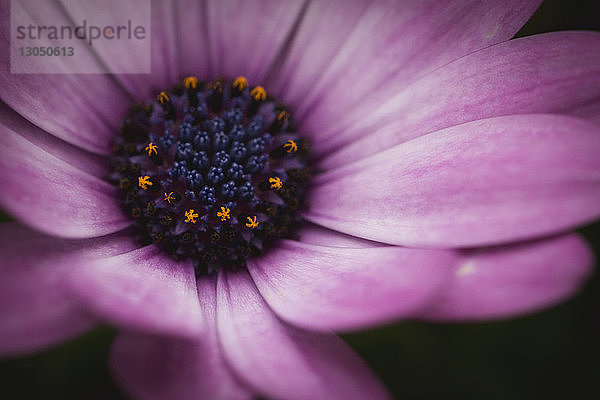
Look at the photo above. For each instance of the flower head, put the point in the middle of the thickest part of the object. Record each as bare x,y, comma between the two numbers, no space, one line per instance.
434,187
220,143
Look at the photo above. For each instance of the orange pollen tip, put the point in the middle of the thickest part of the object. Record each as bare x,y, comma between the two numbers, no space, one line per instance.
190,216
151,148
275,183
216,85
252,222
144,182
191,82
162,98
240,83
290,146
259,93
169,197
283,116
224,214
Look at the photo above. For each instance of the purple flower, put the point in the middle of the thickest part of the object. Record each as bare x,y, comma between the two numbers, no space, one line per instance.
452,164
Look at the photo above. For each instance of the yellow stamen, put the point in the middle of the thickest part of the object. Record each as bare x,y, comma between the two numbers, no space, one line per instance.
215,85
169,197
283,116
224,214
252,222
240,83
190,216
163,98
259,93
151,148
191,82
144,182
275,183
290,146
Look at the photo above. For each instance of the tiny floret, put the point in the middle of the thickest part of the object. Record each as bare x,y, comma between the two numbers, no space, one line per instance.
215,86
275,183
144,182
290,146
224,214
151,148
240,83
252,222
259,93
191,216
163,98
283,116
191,82
169,197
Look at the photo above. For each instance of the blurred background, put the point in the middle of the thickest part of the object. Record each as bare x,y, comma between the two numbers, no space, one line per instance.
551,354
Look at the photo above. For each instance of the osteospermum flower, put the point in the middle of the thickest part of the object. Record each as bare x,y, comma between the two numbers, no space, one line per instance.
289,170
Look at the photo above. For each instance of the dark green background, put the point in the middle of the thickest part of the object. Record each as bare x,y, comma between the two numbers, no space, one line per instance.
552,354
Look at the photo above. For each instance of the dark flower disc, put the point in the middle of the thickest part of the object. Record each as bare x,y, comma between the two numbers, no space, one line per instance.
211,172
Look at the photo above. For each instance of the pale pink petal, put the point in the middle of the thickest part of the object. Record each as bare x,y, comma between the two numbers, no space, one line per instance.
36,311
143,290
192,38
158,66
550,73
329,288
489,181
153,367
246,37
82,109
44,191
350,56
315,234
281,361
11,123
512,280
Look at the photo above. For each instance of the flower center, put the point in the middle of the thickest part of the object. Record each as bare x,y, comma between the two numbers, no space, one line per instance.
211,172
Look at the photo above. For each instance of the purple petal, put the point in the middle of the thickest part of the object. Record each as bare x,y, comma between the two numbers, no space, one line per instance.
315,234
162,58
246,37
192,38
143,290
53,196
82,109
156,367
279,360
550,73
489,181
11,123
346,60
35,310
327,288
506,281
